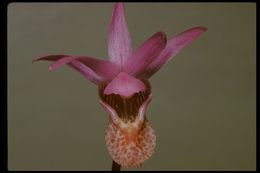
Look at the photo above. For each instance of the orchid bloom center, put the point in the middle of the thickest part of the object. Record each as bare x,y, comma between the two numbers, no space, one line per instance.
125,94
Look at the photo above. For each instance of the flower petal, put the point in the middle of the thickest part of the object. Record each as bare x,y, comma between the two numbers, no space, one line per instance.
150,49
119,46
124,85
93,69
101,67
174,46
87,72
62,61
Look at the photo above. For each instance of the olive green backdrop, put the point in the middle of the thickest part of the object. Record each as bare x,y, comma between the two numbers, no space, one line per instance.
204,106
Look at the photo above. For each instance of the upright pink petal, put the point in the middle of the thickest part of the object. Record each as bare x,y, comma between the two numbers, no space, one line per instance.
150,49
119,46
174,46
93,69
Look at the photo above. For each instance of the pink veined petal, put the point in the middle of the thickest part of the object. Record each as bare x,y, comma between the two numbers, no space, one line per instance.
174,46
62,61
104,68
149,50
124,85
119,43
87,72
93,69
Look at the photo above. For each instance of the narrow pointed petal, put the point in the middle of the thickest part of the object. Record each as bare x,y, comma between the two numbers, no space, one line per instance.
150,49
173,47
101,67
94,70
60,62
87,72
119,46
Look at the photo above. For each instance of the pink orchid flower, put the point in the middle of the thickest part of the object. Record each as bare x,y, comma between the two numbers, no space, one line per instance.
123,85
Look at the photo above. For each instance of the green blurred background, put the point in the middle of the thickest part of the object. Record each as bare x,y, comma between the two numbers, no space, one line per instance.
204,106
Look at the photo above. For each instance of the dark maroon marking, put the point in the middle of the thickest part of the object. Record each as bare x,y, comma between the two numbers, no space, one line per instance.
126,107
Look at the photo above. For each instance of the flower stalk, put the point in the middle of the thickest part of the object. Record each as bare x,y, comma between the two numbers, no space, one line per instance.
116,166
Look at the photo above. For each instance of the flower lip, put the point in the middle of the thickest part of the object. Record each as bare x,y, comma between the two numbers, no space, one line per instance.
125,85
